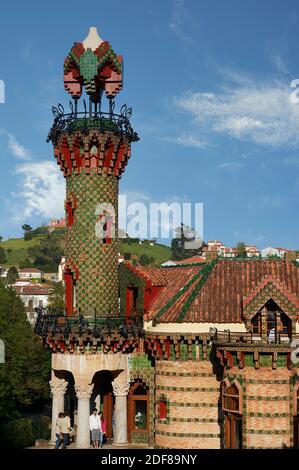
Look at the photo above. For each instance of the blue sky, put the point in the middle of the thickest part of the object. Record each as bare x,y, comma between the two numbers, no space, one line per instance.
209,83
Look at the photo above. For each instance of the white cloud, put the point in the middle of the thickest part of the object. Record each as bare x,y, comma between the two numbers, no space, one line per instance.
264,202
231,166
187,140
17,149
26,52
178,21
279,62
14,147
42,191
247,110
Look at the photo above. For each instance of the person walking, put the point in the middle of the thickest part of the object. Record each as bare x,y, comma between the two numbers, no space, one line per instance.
103,429
95,427
58,430
65,429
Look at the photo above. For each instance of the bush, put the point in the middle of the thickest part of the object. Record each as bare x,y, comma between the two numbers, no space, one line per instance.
17,433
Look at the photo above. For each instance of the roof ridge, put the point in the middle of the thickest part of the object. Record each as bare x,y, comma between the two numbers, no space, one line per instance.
178,294
208,269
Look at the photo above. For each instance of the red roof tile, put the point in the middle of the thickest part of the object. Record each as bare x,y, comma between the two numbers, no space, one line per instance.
219,299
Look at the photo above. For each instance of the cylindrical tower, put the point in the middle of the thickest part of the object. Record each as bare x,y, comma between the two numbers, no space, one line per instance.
92,148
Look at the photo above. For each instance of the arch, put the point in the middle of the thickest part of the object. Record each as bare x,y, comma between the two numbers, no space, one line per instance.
103,397
232,398
138,411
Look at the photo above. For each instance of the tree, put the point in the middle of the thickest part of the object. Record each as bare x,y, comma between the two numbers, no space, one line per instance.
25,374
56,296
27,231
1,238
47,253
185,244
145,260
2,255
12,275
241,250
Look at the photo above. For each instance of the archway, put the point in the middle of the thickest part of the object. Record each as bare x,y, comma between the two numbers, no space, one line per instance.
103,397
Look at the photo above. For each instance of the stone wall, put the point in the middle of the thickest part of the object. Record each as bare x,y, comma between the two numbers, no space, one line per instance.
267,406
192,393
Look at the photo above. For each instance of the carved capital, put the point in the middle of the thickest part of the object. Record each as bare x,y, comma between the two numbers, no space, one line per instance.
120,389
58,388
84,391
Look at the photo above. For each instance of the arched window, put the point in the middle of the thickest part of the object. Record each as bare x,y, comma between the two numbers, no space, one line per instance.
138,409
232,407
271,323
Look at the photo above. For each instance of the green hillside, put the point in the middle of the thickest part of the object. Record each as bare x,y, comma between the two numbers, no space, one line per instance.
16,250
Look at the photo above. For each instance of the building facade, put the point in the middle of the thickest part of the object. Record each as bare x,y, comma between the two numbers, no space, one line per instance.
196,355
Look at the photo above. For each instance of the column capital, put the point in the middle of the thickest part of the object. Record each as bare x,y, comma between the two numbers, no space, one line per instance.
84,391
58,387
120,389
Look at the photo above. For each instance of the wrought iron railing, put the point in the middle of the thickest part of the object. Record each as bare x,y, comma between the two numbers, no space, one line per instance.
92,118
229,337
50,322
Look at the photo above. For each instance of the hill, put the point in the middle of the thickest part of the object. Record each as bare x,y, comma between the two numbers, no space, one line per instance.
16,250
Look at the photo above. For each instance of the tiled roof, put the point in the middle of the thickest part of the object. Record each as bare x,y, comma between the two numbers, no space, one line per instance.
32,290
215,292
154,275
29,270
193,259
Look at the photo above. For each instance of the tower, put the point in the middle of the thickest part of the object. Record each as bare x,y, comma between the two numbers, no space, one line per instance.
92,148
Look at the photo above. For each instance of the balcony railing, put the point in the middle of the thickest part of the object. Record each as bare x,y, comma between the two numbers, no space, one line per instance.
50,323
231,338
92,118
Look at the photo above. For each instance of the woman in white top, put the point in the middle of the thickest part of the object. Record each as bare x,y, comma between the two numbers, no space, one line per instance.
95,427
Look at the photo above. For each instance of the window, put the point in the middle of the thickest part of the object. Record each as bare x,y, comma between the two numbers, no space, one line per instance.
231,405
273,321
69,214
230,398
131,300
162,409
138,408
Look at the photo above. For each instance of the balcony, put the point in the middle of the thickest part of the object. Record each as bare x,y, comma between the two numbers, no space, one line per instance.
51,324
91,118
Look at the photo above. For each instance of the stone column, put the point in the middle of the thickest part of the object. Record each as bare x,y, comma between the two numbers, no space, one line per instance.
58,388
97,402
83,392
120,390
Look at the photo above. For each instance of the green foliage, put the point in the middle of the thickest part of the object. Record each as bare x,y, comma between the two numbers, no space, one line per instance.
47,253
145,260
17,433
25,374
27,229
56,297
178,244
241,250
2,255
12,275
25,264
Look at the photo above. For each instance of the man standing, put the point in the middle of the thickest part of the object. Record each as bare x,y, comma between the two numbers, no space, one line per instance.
95,427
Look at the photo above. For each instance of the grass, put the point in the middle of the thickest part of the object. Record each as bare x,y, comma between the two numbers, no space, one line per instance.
19,247
159,252
19,250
